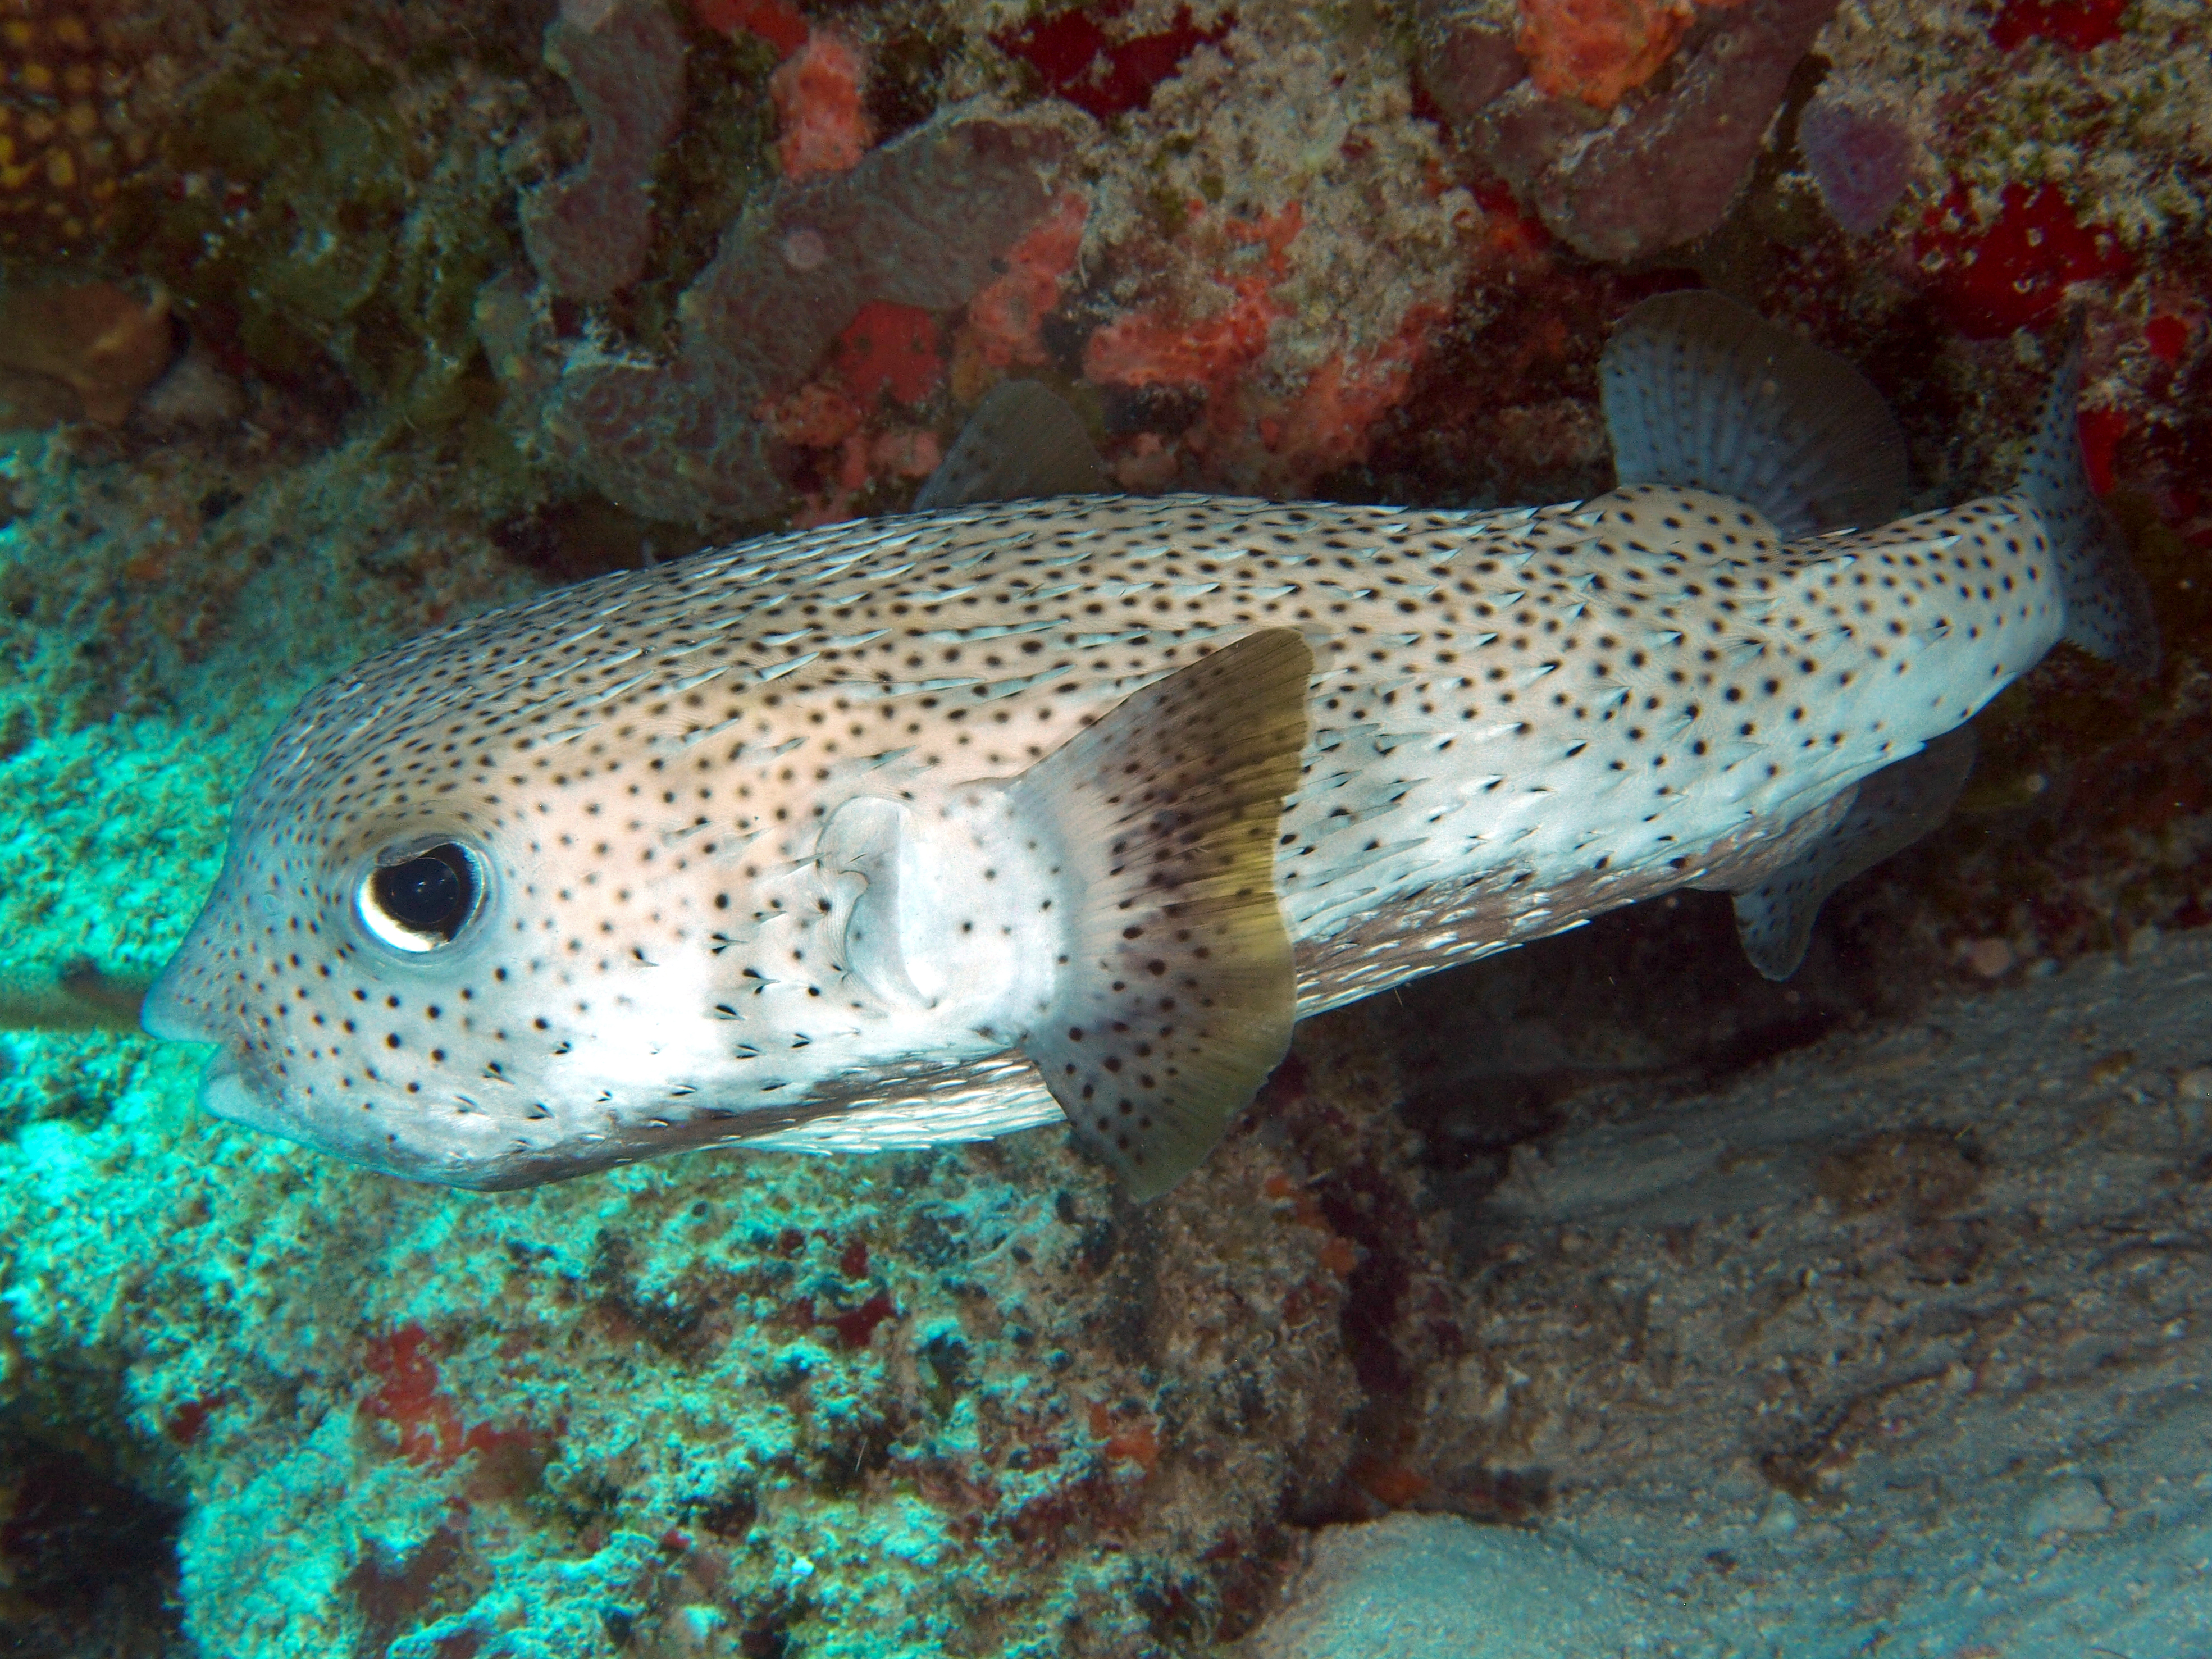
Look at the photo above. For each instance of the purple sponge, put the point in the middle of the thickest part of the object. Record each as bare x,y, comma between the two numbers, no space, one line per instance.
589,230
920,221
1860,158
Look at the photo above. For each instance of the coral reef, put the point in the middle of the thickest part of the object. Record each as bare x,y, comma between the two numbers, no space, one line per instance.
405,312
1248,324
967,1402
917,223
823,126
1664,174
2013,271
2077,24
776,21
738,417
1599,51
324,212
1106,73
1004,327
1861,157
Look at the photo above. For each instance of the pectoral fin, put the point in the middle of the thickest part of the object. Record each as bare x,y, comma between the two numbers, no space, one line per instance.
1895,808
1176,994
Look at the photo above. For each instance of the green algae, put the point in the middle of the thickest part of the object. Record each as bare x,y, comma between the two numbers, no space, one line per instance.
722,155
314,217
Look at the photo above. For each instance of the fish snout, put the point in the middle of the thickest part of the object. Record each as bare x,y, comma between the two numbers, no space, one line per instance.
167,1014
175,1009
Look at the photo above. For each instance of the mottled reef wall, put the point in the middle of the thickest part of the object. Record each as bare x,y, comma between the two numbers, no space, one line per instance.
322,324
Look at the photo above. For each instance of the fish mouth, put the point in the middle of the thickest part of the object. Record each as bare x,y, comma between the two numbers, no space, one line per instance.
228,1091
230,1087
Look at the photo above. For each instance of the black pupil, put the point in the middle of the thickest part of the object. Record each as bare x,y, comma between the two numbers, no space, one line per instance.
432,893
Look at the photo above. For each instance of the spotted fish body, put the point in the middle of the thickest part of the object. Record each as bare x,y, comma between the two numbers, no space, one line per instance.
941,825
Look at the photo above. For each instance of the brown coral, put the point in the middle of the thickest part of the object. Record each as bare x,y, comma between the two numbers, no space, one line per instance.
1660,175
589,231
921,222
82,353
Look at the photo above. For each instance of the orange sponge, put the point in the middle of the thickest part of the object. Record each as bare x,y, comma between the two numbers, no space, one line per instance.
1599,51
823,126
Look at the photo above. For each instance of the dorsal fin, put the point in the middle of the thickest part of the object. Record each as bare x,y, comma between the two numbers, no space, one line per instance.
1893,808
1176,994
1700,391
1022,442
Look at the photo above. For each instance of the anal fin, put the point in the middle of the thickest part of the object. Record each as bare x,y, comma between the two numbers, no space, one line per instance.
1895,808
1177,993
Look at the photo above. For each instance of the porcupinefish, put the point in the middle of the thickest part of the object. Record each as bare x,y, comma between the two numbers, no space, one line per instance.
943,824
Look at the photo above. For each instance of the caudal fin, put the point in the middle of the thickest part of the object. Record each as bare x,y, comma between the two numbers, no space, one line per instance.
2108,611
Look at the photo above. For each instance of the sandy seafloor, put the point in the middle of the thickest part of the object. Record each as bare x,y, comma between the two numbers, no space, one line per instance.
1599,1298
1980,1229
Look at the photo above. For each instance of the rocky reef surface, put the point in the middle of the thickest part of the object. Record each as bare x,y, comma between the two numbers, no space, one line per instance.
320,326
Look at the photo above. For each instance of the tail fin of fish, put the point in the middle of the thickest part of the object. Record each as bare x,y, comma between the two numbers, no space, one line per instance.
1701,393
2108,611
1177,993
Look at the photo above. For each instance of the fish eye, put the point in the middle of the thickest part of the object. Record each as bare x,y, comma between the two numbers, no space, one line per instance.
422,898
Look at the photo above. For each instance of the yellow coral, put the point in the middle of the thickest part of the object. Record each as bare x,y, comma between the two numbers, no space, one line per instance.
66,134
